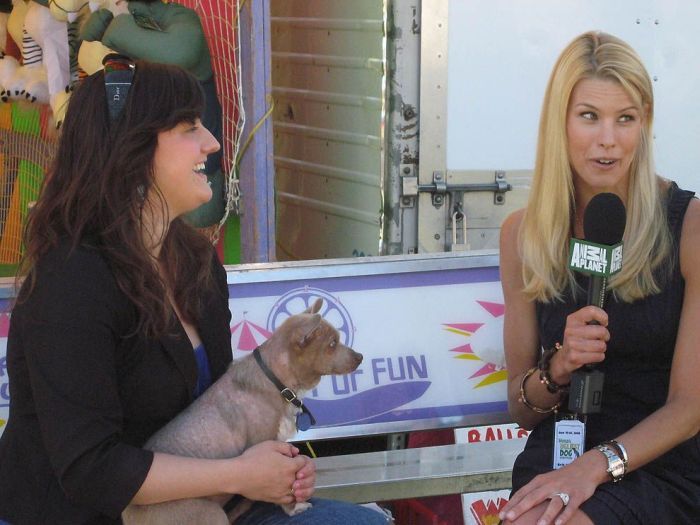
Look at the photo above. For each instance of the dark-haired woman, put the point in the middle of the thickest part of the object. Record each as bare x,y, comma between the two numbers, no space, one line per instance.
122,319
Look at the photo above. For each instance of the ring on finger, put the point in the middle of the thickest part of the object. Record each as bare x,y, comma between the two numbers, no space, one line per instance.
291,491
563,496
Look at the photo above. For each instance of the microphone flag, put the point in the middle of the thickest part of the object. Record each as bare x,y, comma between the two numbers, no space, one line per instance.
595,259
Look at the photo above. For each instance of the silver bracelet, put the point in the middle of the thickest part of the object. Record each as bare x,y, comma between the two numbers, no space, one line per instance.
621,450
616,467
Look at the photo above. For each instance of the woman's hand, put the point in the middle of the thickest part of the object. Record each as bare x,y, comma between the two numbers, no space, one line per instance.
304,485
577,480
583,343
269,471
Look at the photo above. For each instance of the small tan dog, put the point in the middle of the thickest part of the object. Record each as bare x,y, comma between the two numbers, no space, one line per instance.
299,352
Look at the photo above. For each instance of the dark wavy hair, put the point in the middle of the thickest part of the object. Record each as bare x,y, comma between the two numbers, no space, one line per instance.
95,191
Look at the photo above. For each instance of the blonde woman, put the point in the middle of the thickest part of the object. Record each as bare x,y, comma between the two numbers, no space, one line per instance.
641,452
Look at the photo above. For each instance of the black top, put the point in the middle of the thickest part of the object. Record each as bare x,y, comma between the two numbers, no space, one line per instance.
637,369
86,392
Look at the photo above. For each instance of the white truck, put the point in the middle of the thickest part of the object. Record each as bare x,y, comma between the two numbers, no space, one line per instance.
404,126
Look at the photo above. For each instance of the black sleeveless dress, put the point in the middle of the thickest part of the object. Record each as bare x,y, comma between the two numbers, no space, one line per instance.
637,372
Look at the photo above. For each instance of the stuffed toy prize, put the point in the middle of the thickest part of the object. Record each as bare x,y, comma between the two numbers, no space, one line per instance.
46,32
167,33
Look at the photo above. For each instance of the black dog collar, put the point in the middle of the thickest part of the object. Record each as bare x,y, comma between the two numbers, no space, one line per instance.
305,419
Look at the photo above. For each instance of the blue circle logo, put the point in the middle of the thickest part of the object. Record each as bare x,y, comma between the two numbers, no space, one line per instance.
297,300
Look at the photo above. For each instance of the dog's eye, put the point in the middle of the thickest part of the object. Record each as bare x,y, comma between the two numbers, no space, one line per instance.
333,343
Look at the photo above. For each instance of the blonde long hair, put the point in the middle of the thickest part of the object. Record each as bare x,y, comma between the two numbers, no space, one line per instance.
546,228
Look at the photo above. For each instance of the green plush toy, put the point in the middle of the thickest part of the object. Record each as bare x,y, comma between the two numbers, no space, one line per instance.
167,33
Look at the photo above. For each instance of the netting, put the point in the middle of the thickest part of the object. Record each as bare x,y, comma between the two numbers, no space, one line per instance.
27,145
221,27
28,142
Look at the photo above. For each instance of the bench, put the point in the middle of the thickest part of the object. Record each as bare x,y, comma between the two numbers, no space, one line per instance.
430,329
417,472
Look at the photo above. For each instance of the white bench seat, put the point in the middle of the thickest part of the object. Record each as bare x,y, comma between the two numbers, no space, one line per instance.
417,472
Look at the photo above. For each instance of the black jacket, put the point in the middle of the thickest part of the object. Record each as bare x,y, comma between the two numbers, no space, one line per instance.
86,392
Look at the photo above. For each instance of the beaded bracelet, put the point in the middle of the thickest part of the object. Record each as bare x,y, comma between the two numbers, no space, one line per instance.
545,378
523,397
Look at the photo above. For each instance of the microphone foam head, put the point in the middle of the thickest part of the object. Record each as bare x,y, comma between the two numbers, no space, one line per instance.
604,219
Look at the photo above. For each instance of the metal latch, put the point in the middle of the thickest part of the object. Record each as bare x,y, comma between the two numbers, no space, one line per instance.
439,187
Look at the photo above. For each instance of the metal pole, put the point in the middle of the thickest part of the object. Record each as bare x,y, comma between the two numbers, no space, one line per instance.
257,173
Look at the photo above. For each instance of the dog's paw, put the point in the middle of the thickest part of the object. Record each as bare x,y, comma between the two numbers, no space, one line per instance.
292,509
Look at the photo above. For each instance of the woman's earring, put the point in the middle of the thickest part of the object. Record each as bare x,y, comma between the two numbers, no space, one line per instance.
141,191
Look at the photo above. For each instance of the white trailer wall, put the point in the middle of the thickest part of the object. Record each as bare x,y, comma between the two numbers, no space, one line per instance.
484,67
500,53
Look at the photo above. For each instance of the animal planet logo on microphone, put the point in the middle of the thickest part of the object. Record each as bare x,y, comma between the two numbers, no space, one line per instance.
595,259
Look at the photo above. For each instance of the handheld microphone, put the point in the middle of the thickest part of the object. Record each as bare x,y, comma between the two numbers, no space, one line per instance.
599,256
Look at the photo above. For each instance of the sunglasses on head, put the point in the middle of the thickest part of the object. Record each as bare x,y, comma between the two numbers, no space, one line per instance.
119,74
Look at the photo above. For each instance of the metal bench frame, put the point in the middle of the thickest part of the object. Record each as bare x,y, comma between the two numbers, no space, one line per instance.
417,472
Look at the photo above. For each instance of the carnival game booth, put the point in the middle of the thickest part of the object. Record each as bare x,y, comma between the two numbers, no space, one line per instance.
37,75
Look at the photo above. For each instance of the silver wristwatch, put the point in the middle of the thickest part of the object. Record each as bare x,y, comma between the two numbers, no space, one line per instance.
616,466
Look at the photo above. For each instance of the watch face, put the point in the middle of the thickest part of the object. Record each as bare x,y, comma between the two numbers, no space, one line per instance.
617,469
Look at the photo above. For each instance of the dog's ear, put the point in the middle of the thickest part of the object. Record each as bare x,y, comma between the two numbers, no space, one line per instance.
307,329
314,308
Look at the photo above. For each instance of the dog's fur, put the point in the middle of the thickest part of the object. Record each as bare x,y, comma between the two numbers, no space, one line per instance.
243,408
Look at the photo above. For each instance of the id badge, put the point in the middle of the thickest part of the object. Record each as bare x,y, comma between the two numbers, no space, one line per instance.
569,441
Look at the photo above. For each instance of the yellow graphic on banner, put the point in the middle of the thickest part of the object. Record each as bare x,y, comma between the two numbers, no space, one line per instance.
484,346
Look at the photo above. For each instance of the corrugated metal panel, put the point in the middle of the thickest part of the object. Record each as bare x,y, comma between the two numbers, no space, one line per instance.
328,86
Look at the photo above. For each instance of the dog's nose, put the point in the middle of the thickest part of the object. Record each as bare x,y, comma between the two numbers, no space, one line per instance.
358,357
